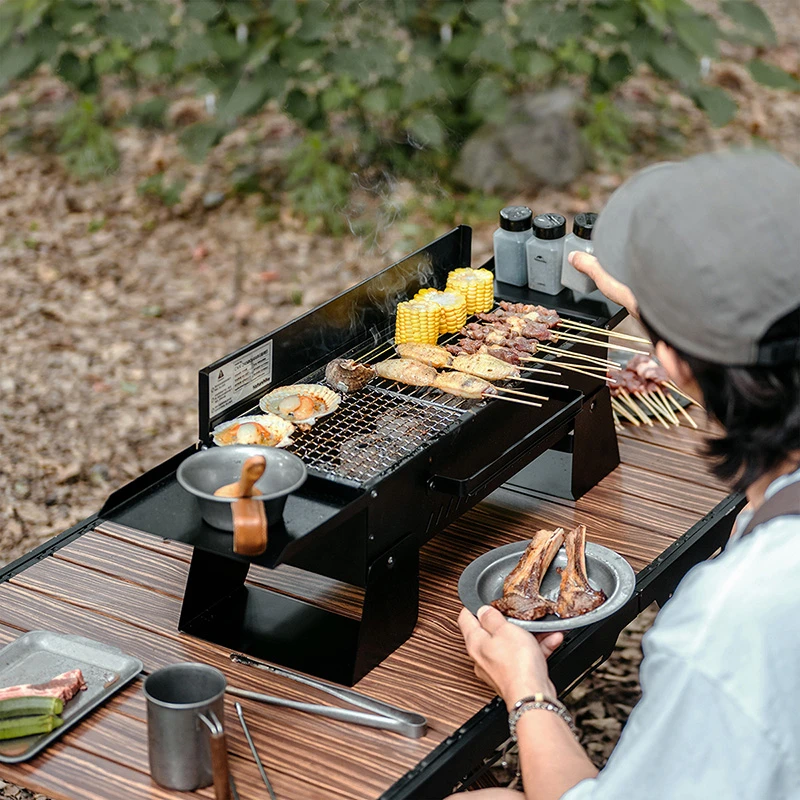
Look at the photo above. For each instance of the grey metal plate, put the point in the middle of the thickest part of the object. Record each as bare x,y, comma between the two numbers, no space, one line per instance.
38,656
482,581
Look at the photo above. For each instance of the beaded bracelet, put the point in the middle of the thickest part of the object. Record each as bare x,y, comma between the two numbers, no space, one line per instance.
540,700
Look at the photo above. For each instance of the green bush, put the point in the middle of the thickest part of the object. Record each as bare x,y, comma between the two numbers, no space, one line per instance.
402,82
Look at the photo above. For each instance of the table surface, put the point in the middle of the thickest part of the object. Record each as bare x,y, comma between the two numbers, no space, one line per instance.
124,587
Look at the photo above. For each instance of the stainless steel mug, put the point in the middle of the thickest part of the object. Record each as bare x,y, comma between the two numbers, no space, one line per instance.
185,736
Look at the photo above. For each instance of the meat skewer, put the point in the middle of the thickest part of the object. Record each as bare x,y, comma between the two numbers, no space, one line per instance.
486,366
474,388
429,354
414,373
521,598
575,595
642,380
535,324
405,370
552,320
481,365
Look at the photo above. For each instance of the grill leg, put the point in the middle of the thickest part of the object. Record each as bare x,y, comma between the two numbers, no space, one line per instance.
212,580
391,605
220,608
580,460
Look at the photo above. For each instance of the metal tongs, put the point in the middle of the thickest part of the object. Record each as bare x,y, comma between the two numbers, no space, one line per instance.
383,716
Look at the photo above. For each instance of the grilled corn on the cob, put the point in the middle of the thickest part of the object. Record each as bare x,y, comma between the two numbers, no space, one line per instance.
417,321
477,286
453,305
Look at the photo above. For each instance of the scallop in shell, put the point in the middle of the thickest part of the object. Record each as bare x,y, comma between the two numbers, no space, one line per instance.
266,429
303,402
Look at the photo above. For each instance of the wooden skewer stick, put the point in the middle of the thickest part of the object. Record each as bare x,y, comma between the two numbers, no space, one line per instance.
524,394
382,347
651,402
674,388
654,409
623,393
570,367
607,363
568,337
663,400
541,371
511,400
578,356
617,423
602,331
617,406
656,401
683,411
540,383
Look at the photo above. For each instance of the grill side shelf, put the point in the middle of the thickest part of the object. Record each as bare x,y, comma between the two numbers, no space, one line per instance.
541,438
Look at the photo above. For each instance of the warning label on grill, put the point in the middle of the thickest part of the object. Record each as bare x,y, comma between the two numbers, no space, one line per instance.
240,378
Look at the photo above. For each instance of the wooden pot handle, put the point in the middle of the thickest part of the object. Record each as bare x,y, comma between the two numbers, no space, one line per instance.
252,470
249,527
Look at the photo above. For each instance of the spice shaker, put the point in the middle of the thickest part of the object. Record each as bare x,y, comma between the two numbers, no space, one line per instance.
545,252
579,239
510,262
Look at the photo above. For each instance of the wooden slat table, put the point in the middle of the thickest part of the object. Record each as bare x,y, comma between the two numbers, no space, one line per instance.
124,587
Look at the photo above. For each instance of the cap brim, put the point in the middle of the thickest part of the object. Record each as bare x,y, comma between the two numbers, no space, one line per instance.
613,227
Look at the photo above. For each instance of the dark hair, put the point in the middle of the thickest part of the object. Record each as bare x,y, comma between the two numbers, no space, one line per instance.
759,408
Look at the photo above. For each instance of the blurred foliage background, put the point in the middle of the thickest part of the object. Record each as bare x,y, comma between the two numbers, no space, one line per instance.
383,88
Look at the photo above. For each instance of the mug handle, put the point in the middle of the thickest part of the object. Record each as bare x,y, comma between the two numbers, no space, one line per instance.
219,756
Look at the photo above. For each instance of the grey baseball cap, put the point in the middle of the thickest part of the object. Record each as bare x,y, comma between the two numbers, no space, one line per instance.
709,247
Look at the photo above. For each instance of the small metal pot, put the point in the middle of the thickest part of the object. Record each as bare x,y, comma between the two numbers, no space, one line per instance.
202,473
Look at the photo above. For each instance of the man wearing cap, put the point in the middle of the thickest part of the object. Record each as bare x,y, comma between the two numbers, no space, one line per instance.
704,253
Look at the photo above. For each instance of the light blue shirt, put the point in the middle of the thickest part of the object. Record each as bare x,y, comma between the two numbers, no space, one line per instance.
719,717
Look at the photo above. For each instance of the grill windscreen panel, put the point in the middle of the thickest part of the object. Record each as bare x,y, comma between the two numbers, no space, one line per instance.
371,432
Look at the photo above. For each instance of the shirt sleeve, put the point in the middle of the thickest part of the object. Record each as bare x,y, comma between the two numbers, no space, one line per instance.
688,738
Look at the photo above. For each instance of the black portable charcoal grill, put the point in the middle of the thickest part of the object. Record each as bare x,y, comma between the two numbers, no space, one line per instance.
388,469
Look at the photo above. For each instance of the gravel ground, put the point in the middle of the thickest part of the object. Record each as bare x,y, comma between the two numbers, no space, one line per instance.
111,304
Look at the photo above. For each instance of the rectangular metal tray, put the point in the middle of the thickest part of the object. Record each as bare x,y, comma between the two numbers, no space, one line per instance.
38,656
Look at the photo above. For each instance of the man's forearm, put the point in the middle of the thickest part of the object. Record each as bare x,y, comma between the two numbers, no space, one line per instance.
551,760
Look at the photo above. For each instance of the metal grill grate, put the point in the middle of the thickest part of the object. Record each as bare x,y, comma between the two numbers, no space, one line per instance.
371,432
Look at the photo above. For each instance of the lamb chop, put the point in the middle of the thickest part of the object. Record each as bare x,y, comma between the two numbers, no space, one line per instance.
404,370
521,598
576,596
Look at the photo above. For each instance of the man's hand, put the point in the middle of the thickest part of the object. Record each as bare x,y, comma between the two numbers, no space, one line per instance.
615,291
508,658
